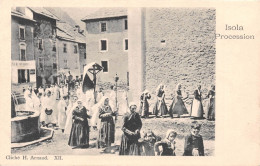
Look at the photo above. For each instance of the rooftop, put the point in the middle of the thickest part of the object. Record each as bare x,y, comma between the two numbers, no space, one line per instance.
43,11
106,13
68,32
20,15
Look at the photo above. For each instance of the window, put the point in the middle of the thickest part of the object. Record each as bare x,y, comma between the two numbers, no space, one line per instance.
23,76
54,65
41,63
85,56
103,26
40,44
75,49
22,33
65,48
126,24
105,66
126,44
103,45
22,56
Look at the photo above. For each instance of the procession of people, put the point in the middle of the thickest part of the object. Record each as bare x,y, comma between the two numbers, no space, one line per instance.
76,113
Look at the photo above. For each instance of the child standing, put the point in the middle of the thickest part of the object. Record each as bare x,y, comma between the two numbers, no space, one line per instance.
193,142
147,143
168,144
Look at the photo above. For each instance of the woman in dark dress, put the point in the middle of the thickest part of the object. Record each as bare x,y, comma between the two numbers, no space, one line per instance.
144,105
131,133
168,144
79,135
160,106
210,108
193,142
107,126
178,107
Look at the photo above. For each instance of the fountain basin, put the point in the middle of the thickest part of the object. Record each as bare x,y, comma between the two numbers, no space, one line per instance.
25,127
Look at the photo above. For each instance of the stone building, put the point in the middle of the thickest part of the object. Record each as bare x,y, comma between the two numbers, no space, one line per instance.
170,46
107,43
22,50
44,45
71,50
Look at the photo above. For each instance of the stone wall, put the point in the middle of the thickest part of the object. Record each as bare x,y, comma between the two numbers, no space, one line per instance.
180,48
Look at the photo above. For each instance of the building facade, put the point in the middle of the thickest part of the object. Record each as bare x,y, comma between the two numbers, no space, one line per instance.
107,44
22,50
171,46
71,50
45,46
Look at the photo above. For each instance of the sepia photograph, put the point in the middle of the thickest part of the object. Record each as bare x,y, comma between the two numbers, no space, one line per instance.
113,81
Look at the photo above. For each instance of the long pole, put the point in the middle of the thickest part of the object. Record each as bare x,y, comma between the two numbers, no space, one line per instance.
116,94
94,80
116,99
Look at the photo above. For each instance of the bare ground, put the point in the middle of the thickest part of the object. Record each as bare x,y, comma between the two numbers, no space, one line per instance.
58,145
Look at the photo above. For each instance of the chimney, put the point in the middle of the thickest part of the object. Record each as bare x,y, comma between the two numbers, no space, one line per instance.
77,28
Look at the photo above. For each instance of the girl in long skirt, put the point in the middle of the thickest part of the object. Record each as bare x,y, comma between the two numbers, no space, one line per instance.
131,133
196,106
107,129
79,135
144,105
210,107
178,107
168,144
193,142
160,106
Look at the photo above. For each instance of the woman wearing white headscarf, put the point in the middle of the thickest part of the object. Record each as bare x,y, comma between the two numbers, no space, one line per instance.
160,106
29,105
107,125
144,106
72,106
47,114
131,133
79,135
178,107
62,108
38,102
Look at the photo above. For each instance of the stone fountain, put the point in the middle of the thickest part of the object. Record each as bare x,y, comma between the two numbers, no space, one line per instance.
25,125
